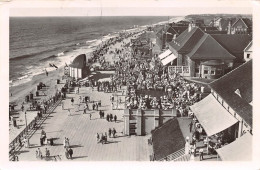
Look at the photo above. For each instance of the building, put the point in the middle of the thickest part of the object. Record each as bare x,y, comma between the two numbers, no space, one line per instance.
78,68
200,55
234,92
248,52
235,44
141,122
242,26
225,24
227,109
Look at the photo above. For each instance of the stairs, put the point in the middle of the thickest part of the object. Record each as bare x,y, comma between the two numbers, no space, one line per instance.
182,158
175,156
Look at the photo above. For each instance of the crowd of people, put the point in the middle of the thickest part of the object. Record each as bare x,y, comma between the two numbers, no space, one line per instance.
103,138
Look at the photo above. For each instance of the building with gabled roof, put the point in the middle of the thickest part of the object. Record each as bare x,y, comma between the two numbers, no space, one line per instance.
234,43
242,26
234,92
200,54
248,51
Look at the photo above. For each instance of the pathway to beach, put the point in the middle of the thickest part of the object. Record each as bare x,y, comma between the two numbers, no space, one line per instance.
82,133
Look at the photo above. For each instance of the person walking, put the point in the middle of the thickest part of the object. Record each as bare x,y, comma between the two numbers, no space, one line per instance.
90,116
64,142
115,118
100,114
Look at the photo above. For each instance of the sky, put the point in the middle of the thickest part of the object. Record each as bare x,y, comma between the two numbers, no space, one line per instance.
133,8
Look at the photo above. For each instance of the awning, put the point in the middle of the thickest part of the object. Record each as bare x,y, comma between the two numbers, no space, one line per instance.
165,54
168,59
239,150
213,117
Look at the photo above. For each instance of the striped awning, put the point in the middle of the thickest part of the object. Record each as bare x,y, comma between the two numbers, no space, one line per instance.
212,116
165,54
168,59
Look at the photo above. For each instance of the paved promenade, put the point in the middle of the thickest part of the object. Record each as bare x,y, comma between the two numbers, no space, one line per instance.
81,132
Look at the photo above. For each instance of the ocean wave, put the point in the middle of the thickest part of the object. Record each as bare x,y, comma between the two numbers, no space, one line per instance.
33,54
50,57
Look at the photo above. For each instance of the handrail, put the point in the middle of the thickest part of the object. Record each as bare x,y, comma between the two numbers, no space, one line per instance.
50,107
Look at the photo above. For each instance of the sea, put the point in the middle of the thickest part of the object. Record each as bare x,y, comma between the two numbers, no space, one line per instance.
36,42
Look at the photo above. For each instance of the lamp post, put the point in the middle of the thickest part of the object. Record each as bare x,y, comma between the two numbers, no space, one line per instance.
25,119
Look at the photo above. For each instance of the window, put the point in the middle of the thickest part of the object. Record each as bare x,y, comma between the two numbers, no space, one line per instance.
248,56
212,72
206,72
219,72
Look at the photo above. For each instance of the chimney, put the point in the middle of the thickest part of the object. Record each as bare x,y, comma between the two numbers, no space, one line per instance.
229,27
174,37
189,28
238,92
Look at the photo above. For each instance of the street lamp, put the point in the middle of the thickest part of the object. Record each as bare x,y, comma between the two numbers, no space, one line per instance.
25,119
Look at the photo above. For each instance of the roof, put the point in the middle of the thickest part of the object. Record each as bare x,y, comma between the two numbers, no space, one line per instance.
201,50
79,61
241,149
234,43
187,40
246,21
213,117
249,47
239,78
224,22
172,136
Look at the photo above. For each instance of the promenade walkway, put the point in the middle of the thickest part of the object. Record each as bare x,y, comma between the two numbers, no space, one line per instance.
81,132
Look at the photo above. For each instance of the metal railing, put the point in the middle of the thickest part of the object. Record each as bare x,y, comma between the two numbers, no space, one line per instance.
14,144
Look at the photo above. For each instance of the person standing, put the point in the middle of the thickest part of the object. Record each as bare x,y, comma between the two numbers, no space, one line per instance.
111,117
85,110
72,101
190,126
62,105
108,117
47,153
70,151
114,132
93,106
109,132
90,116
98,137
115,118
97,106
201,154
39,153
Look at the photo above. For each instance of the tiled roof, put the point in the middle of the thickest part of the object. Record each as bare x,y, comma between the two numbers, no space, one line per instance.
249,46
79,61
185,42
167,139
209,49
240,78
247,22
234,43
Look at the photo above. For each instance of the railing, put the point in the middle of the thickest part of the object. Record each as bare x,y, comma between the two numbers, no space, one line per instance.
14,145
182,70
174,155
